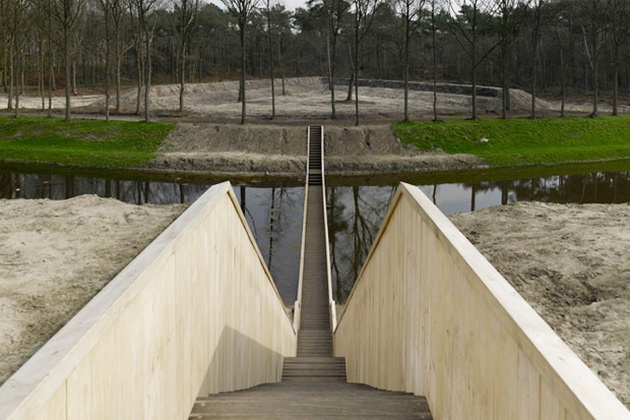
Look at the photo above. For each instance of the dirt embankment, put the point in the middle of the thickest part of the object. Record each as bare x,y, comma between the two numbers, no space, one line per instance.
56,255
570,263
260,149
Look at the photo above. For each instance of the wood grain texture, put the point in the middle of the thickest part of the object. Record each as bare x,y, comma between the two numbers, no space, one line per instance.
429,315
195,312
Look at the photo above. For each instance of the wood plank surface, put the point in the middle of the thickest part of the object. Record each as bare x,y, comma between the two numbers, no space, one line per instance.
313,383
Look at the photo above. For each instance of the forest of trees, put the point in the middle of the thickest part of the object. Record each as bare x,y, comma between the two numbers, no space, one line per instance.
547,47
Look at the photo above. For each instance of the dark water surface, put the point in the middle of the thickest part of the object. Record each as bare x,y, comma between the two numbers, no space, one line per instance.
273,211
355,212
356,205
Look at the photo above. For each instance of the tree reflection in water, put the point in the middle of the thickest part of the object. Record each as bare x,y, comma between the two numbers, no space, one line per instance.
356,213
274,214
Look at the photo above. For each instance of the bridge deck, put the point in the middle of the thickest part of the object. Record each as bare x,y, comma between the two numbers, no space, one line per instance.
313,383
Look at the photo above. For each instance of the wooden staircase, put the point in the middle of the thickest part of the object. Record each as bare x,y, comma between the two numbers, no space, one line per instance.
313,383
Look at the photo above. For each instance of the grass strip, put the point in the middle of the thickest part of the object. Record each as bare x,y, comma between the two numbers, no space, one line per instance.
112,144
524,141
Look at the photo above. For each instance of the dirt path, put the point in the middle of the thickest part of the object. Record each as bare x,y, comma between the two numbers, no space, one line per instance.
56,255
570,262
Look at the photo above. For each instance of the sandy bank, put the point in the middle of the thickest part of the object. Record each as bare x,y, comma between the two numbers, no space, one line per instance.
281,150
570,262
56,255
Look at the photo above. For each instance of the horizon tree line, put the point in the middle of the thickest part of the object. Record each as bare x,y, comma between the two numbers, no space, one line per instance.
553,48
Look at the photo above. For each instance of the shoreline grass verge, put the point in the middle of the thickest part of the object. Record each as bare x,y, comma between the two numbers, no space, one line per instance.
113,144
524,141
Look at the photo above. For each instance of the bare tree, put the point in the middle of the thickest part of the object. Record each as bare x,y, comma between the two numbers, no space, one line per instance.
270,38
143,9
363,16
241,10
536,27
593,32
618,15
472,17
186,11
335,11
118,12
510,18
67,13
434,9
106,7
410,12
19,21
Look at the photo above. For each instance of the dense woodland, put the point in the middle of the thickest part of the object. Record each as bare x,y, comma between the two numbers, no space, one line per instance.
550,47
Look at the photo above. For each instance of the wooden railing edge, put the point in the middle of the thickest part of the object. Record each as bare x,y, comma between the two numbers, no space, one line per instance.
47,370
551,356
331,302
297,311
530,329
390,212
252,241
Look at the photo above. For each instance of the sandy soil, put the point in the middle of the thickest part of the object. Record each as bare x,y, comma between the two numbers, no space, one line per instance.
56,255
570,262
306,98
260,149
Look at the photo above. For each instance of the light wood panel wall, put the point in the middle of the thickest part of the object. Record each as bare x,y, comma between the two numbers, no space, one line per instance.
195,313
430,315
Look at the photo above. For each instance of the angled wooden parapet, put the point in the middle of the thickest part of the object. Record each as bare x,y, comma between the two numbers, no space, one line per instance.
195,313
430,315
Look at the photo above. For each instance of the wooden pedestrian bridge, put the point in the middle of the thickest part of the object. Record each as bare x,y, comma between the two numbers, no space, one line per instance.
195,328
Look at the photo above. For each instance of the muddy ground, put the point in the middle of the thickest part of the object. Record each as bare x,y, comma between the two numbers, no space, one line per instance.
570,262
56,255
281,150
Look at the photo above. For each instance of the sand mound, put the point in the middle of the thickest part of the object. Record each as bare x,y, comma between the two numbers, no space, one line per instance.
56,255
570,262
259,149
308,98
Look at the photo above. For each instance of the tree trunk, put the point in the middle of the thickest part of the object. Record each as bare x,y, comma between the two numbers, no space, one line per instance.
534,81
595,113
107,48
406,67
474,78
68,69
333,57
182,74
282,66
17,78
51,70
273,90
356,70
615,110
350,86
74,77
564,83
505,92
42,73
11,75
118,65
243,108
140,73
147,85
434,45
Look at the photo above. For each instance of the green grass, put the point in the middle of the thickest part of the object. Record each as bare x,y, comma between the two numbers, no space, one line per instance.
112,144
524,141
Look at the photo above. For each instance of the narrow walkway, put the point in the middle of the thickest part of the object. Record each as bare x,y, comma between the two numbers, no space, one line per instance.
313,383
